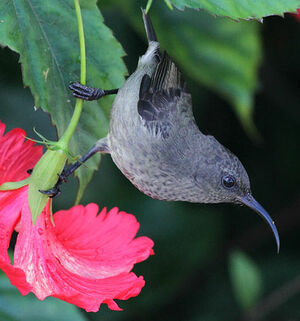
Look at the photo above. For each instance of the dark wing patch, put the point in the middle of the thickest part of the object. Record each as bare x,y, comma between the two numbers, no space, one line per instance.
159,96
167,76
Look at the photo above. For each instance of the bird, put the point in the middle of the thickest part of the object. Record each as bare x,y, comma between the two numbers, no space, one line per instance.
154,140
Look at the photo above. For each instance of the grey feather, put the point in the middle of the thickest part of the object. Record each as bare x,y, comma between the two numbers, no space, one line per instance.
155,142
162,97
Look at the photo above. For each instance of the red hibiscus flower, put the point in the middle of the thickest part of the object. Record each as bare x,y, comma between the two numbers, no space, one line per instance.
84,258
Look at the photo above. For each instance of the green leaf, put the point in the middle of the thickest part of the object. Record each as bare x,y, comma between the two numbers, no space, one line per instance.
245,278
220,53
241,9
15,307
46,37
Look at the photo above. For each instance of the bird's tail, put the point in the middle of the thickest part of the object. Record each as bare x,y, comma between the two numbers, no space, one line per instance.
151,35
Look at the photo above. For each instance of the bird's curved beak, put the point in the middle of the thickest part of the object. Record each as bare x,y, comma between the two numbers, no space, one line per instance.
250,201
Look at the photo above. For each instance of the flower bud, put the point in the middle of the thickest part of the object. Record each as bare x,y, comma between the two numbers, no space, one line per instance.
44,177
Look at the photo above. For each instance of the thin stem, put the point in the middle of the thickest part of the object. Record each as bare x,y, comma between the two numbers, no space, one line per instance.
65,139
169,4
82,44
148,6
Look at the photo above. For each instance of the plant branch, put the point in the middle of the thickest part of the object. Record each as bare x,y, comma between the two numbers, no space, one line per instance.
66,137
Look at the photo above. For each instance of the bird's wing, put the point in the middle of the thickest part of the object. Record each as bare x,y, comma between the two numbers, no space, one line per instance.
163,98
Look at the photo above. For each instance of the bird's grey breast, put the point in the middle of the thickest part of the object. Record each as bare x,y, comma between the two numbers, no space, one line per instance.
152,130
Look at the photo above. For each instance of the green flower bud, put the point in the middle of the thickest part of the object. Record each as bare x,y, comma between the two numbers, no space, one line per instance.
44,177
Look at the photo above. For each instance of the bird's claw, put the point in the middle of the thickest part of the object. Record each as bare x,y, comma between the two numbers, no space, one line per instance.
52,192
85,92
55,191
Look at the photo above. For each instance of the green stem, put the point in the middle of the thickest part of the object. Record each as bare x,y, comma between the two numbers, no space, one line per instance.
169,4
148,6
65,139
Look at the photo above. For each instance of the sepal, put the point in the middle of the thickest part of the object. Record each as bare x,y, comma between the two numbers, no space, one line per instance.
8,186
44,176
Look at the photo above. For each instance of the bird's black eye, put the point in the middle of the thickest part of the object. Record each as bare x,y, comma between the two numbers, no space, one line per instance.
228,181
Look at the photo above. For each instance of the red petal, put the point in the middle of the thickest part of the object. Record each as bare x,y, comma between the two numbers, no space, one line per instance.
2,128
10,209
16,276
84,259
11,204
17,155
104,243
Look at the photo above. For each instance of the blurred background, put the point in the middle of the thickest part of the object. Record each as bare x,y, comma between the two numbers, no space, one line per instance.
211,262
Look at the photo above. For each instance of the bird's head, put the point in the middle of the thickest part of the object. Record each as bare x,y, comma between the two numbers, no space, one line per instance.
221,177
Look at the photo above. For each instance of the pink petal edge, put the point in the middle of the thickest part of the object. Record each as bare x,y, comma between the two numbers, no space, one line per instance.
57,263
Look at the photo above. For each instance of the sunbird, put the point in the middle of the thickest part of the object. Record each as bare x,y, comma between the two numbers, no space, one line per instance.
155,142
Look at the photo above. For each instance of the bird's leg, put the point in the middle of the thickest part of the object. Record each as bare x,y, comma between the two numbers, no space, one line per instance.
99,147
86,93
89,93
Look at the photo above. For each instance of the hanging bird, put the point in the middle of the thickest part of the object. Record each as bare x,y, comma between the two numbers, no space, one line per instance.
155,142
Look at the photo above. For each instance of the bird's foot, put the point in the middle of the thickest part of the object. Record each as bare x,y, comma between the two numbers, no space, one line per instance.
68,170
55,191
89,93
52,192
